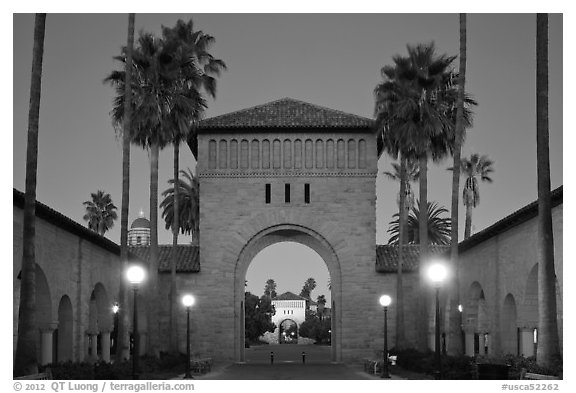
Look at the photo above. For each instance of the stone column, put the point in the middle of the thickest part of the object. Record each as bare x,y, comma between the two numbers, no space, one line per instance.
527,341
469,341
91,346
483,343
46,349
105,342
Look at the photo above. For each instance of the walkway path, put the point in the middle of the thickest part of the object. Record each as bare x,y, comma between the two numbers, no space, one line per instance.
288,365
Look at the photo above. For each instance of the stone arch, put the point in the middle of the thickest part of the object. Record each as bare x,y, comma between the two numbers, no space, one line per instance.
233,154
509,328
282,325
330,153
287,153
276,234
244,154
211,154
298,154
276,154
223,154
255,154
308,154
341,154
530,302
100,320
265,154
351,153
44,317
319,153
64,350
475,319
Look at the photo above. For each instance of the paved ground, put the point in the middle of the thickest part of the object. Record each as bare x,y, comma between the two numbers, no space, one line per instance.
288,365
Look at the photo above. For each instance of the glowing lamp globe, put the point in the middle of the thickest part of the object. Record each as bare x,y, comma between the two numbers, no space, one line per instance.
437,273
188,300
115,308
135,274
385,300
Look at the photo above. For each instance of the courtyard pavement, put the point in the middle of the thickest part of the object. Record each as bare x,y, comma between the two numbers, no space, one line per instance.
288,365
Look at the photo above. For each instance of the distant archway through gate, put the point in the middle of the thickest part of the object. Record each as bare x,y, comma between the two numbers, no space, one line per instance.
277,234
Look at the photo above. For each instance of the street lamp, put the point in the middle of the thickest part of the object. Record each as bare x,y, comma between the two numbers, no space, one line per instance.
114,345
385,301
437,273
188,301
135,275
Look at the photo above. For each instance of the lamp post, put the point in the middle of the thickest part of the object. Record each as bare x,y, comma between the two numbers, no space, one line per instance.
385,301
114,345
188,301
135,275
437,273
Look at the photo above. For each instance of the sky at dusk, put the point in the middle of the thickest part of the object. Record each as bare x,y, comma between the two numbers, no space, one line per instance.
332,60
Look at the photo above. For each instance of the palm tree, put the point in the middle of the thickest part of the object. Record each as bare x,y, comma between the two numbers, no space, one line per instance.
121,335
188,207
25,361
415,112
270,289
548,341
197,67
412,175
406,172
308,287
100,212
321,301
473,168
438,226
152,87
455,317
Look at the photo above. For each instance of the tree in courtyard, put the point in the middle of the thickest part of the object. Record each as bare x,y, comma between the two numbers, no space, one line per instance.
270,289
257,316
316,329
197,68
405,173
25,359
415,114
321,305
165,87
476,168
308,287
122,339
455,317
188,205
548,349
100,212
438,226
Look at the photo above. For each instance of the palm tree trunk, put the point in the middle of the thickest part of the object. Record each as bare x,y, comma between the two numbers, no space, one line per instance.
400,336
173,344
468,224
153,328
423,238
455,318
548,340
122,350
26,361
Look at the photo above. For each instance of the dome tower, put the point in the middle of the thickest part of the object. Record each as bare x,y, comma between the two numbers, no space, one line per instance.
139,232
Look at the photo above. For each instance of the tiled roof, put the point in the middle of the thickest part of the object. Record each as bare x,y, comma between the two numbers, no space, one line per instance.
289,296
286,113
387,257
188,260
60,220
518,217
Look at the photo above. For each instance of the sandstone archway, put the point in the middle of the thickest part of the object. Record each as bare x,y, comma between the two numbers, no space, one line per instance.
277,234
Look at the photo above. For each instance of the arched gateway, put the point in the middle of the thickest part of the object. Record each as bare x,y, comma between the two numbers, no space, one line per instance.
289,170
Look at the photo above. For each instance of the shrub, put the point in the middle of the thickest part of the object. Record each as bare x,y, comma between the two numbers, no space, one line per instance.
453,367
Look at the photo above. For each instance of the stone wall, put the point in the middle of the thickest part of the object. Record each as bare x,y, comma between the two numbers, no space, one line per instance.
71,266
